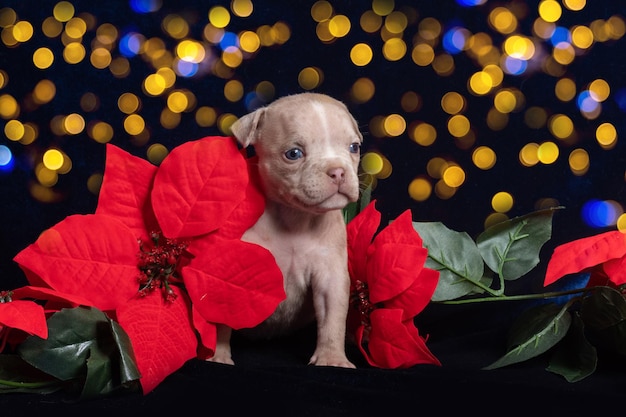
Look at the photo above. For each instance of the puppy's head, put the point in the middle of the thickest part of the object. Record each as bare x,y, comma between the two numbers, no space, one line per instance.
308,147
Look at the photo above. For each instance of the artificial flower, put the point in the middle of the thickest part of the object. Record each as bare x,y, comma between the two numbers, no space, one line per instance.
152,227
604,255
389,287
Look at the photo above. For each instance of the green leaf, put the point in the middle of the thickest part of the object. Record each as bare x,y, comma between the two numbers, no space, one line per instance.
455,256
128,366
574,357
17,375
511,248
535,332
352,209
82,345
604,313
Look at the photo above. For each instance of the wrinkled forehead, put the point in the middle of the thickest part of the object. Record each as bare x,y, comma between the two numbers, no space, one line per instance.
313,119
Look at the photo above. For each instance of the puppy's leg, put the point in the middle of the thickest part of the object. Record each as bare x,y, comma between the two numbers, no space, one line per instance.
222,346
331,300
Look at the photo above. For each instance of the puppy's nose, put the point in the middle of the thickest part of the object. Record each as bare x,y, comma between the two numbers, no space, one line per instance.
338,175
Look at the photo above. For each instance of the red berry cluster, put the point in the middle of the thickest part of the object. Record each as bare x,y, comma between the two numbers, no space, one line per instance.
360,300
158,265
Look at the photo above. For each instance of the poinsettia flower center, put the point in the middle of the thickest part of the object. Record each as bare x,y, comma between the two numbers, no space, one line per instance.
158,264
360,300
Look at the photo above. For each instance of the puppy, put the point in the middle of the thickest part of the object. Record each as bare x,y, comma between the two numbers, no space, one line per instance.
308,148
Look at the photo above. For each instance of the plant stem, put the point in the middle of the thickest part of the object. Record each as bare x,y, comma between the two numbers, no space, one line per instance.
539,296
17,384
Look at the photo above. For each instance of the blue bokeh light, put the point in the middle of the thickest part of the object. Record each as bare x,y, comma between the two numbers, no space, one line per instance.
586,103
229,39
470,3
186,68
6,159
560,34
145,6
130,44
515,66
454,40
600,213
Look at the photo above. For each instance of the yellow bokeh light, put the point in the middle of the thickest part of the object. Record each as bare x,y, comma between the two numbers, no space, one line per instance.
599,90
242,8
424,134
339,26
565,89
219,16
410,102
233,90
394,49
44,92
550,10
63,11
502,202
175,26
362,90
621,223
100,58
372,163
74,52
453,176
396,22
101,132
249,41
22,31
361,54
561,126
582,37
505,101
128,103
321,10
519,47
177,101
575,5
206,116
578,161
75,28
53,159
548,152
484,157
45,176
606,134
458,125
480,83
528,155
423,54
452,102
535,117
43,58
190,51
383,7
310,78
14,130
370,22
494,218
503,20
564,53
154,84
394,125
134,124
420,189
9,108
156,153
232,56
74,124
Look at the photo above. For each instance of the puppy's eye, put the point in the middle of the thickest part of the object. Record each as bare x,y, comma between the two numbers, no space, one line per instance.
293,154
355,147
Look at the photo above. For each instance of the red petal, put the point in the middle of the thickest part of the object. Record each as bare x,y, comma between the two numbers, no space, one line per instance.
584,253
360,232
396,258
91,256
24,315
208,335
50,295
126,189
161,333
249,210
417,296
237,283
394,343
615,269
198,185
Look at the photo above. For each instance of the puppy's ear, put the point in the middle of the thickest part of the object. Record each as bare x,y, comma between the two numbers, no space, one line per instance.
245,128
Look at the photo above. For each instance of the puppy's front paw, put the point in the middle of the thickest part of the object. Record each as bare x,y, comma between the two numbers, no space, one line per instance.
327,358
221,357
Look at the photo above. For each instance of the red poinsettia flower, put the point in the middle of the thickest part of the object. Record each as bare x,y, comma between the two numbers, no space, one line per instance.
152,228
389,287
603,255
